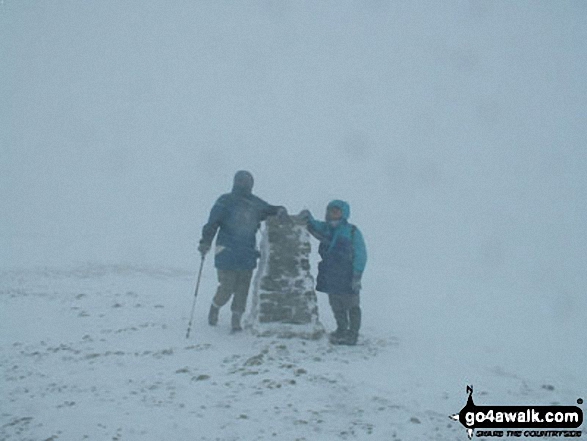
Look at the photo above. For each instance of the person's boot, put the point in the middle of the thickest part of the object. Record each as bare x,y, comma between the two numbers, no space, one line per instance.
342,324
213,315
354,325
236,321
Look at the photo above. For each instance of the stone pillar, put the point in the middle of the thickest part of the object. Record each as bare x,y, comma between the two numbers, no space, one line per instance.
283,301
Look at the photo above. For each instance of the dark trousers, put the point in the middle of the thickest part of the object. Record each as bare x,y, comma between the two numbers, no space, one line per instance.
347,311
231,283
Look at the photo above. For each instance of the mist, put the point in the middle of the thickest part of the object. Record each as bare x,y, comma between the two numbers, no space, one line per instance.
455,130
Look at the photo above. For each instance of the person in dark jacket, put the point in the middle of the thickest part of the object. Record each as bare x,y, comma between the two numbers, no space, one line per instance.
344,257
237,215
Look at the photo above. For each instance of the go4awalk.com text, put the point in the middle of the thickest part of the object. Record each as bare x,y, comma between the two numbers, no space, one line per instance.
520,421
528,433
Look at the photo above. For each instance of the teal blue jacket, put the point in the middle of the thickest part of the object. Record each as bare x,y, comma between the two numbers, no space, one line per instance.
342,249
238,216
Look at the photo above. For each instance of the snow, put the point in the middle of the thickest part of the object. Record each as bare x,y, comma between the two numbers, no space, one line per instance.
99,352
455,130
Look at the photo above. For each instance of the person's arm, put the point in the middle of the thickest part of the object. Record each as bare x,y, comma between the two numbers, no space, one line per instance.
315,227
275,210
359,260
360,252
209,230
267,209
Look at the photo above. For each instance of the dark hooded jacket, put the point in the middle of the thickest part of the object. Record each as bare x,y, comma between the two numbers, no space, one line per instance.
342,249
238,216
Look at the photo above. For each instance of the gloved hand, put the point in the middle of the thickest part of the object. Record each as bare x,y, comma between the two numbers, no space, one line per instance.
282,214
356,282
305,215
203,248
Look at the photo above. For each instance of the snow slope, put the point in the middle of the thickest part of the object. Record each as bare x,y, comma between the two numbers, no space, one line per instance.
455,130
99,353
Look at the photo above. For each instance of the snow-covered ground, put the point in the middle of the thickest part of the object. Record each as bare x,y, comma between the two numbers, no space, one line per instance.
455,130
100,353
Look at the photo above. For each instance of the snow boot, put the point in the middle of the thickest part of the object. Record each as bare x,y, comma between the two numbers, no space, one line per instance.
213,315
355,324
236,322
338,336
342,323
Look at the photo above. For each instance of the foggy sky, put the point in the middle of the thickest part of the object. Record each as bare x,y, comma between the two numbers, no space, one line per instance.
455,130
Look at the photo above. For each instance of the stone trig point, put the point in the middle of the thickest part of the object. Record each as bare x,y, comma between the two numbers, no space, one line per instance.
284,302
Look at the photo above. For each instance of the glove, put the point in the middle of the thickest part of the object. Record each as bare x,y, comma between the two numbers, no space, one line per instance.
356,282
203,248
282,214
305,215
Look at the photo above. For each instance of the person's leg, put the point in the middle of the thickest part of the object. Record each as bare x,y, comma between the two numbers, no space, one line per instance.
239,301
340,315
354,308
226,287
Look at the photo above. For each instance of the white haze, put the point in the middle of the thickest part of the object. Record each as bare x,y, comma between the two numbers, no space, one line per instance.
456,130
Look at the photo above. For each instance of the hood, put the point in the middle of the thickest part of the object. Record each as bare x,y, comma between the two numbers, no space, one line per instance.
344,206
243,182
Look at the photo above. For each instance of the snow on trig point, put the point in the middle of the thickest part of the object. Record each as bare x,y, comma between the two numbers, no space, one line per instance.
284,302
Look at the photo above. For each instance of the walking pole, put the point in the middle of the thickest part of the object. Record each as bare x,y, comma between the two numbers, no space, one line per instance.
195,295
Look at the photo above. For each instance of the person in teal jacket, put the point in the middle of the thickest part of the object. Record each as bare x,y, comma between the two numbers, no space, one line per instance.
344,256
